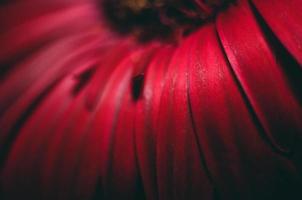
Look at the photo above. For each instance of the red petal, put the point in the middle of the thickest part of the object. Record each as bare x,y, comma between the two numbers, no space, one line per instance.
285,19
232,143
146,118
177,153
262,78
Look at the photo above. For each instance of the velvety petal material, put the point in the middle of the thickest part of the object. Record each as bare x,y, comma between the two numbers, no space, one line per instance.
146,118
89,113
178,156
261,77
285,20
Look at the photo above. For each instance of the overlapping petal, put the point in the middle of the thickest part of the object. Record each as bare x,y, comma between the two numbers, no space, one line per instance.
88,114
285,20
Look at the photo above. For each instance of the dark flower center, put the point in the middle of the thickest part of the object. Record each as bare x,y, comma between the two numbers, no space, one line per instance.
161,19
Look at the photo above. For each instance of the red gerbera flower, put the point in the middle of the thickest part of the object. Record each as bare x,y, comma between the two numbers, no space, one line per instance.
161,99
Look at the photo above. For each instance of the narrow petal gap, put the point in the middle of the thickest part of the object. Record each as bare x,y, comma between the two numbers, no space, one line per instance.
216,194
290,65
112,135
275,146
15,130
141,194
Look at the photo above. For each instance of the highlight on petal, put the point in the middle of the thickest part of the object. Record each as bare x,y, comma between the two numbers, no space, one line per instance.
211,110
262,79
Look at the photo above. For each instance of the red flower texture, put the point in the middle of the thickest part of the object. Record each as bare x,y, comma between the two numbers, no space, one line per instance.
150,99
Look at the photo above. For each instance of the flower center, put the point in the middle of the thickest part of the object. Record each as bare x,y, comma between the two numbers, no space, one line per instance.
161,19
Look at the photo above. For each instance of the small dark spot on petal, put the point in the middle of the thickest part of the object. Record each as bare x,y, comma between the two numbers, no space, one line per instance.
137,86
82,80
